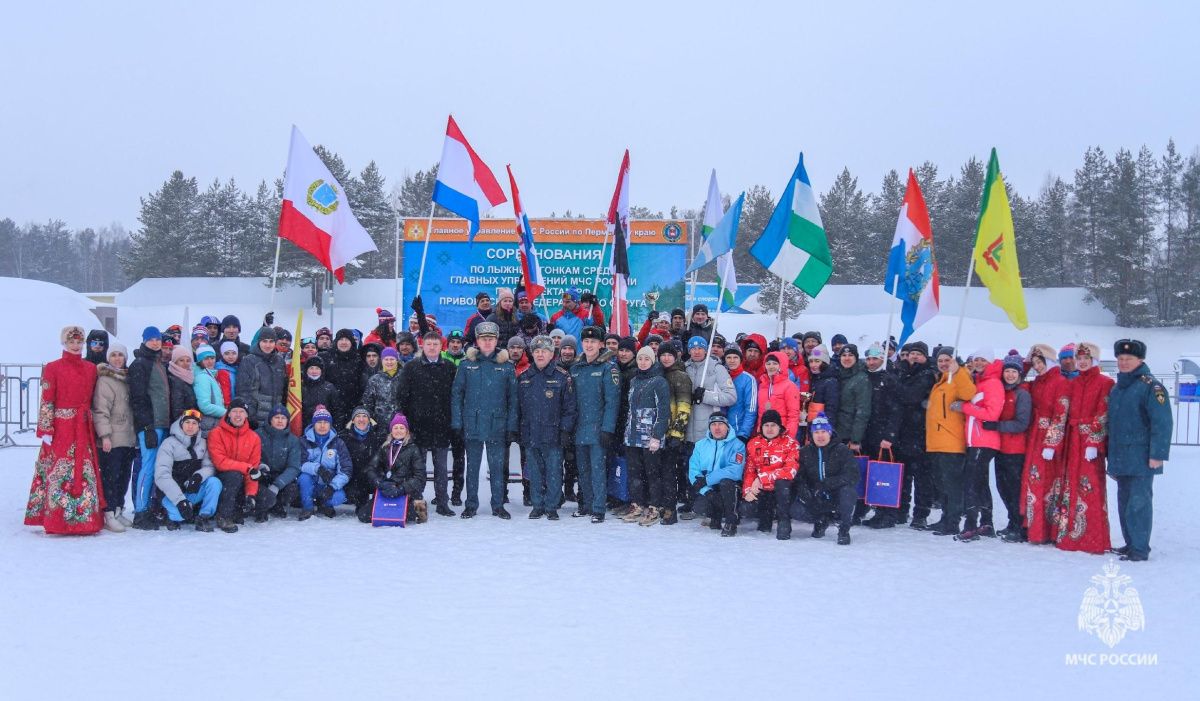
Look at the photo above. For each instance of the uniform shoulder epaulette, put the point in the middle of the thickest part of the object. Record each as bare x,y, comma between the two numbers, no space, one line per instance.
1148,379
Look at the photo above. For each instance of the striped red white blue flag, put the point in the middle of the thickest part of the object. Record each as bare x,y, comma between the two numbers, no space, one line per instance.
531,269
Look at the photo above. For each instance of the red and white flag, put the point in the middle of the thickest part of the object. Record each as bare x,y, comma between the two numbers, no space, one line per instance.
618,265
316,215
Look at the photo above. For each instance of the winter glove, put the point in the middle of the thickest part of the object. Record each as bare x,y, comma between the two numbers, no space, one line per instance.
565,438
1091,453
418,306
956,405
324,494
606,440
674,443
823,496
512,436
587,298
700,483
1047,453
269,319
325,475
192,485
698,395
150,436
991,425
254,473
653,315
390,489
185,509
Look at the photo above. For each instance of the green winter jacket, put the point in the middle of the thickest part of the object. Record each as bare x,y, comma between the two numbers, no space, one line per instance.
854,407
483,399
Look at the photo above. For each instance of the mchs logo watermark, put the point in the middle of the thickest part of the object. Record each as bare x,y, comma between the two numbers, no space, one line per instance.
1110,609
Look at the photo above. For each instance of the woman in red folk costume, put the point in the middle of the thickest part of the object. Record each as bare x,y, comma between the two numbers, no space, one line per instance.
1045,464
65,495
1082,522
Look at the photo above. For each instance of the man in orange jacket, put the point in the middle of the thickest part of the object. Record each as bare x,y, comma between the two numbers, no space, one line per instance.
946,437
237,454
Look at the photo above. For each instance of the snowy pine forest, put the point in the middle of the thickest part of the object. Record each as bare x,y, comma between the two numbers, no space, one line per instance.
1125,226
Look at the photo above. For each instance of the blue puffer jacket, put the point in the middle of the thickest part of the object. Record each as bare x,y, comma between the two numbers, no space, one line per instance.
327,451
547,400
598,396
717,460
483,398
209,399
743,415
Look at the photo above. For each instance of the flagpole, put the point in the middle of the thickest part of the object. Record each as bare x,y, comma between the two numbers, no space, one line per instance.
963,312
717,316
782,326
891,312
396,266
275,272
425,251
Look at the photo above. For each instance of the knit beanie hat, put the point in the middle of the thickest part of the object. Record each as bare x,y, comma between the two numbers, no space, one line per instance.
230,346
205,351
628,343
199,331
150,333
820,353
648,353
821,423
569,342
321,414
398,419
517,342
117,347
667,349
278,410
1014,361
384,315
389,352
770,416
697,342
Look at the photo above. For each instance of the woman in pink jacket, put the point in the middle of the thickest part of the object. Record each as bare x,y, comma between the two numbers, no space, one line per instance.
776,391
982,444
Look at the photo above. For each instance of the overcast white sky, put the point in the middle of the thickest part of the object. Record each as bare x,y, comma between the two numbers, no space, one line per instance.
103,100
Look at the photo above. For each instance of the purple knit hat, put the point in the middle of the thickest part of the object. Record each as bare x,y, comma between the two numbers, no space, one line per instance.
398,419
389,352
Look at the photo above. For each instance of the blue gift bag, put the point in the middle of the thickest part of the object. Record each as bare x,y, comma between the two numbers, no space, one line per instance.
618,478
389,512
884,481
861,488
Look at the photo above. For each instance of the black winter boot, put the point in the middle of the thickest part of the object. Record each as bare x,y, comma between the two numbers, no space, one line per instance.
819,528
784,530
883,518
226,525
145,521
919,524
502,513
729,530
843,535
204,524
363,511
526,499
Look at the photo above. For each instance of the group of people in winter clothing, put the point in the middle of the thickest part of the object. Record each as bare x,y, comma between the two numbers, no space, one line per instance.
700,427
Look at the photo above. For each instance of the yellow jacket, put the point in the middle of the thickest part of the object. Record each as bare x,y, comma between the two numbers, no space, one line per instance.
945,429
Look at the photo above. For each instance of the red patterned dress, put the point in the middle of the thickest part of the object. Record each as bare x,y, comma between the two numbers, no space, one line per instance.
65,496
1042,480
1082,519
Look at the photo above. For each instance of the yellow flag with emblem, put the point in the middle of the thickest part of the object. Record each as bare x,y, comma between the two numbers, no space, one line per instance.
996,248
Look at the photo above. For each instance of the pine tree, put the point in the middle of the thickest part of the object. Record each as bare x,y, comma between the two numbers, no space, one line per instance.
794,301
846,214
416,195
756,212
1087,207
1123,275
166,244
1171,199
1186,271
375,213
959,214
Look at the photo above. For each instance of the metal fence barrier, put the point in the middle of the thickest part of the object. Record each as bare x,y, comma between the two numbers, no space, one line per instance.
20,396
1186,430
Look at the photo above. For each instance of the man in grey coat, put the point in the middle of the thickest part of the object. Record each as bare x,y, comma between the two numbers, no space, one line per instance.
713,391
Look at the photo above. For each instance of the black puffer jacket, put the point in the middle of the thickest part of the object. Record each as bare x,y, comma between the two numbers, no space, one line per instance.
884,424
508,323
344,370
407,469
261,383
914,385
362,451
425,400
145,363
827,392
319,392
837,462
183,396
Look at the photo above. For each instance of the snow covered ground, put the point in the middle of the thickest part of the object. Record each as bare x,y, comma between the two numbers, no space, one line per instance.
524,609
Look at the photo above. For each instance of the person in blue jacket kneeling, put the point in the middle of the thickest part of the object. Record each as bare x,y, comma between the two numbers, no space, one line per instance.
326,468
715,471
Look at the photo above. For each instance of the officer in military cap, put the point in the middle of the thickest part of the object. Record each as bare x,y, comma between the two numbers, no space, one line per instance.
1139,441
597,398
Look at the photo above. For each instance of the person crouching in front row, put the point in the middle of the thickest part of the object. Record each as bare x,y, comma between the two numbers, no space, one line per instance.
772,460
326,468
397,469
715,470
184,473
828,476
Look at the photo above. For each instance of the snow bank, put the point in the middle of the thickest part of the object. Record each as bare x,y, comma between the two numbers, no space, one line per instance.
32,315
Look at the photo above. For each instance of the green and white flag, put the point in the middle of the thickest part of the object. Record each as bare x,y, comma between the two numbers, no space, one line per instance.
793,245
